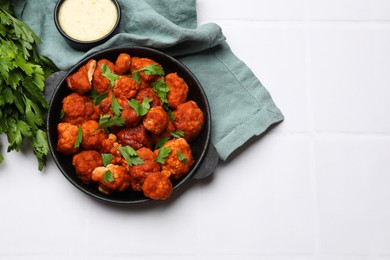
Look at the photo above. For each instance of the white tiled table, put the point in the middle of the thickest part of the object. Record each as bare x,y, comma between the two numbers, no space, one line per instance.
316,187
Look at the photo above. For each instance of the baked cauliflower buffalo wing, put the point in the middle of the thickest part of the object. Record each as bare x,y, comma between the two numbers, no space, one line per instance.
128,113
111,178
178,90
123,135
122,63
149,94
156,120
189,119
157,186
100,83
85,162
139,172
179,159
166,133
125,87
81,81
136,137
105,106
92,135
67,137
140,63
78,108
130,116
111,146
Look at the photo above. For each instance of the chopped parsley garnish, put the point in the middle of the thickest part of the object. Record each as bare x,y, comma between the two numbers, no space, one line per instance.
79,138
115,106
152,69
98,98
170,113
106,121
177,134
161,89
161,142
140,109
130,155
108,176
107,73
181,156
106,158
162,154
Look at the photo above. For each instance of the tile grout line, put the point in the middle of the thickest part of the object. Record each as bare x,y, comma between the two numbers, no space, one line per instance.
311,127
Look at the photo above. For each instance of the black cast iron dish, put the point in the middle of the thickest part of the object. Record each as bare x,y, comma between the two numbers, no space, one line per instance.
204,153
85,45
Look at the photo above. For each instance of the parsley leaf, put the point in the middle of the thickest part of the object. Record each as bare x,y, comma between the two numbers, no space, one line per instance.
98,98
161,89
181,156
107,73
108,176
106,121
170,114
33,114
40,147
161,142
137,77
116,107
152,69
79,138
162,154
18,130
140,109
130,155
106,158
177,134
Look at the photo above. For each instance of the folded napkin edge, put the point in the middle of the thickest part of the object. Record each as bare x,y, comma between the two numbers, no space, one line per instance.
242,133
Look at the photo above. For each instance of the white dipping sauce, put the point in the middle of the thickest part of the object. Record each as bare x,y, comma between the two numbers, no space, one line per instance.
87,20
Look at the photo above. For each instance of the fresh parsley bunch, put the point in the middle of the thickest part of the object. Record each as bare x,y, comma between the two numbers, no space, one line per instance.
22,76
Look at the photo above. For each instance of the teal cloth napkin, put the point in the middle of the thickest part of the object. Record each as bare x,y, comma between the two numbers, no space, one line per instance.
240,105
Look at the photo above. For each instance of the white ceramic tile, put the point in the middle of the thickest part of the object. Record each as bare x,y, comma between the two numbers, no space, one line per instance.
353,190
349,257
251,257
269,203
155,229
350,78
34,214
158,257
355,10
36,257
257,10
276,55
186,257
314,188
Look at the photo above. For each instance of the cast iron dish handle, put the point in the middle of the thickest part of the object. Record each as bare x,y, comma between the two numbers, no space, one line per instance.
209,163
210,160
51,83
